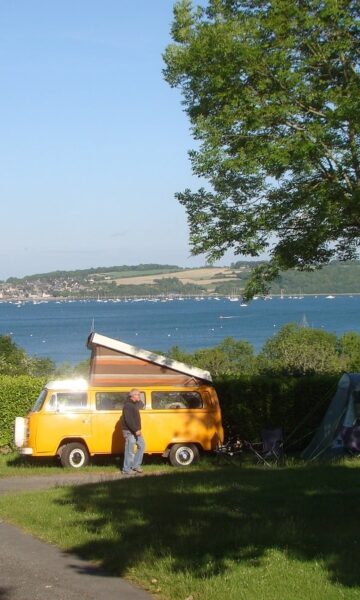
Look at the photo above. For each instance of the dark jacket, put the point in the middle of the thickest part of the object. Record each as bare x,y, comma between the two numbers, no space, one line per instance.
131,419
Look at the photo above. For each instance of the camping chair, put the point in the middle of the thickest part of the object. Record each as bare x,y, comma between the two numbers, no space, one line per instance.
233,447
351,438
271,447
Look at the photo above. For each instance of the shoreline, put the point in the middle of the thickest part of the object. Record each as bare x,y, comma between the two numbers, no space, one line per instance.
162,297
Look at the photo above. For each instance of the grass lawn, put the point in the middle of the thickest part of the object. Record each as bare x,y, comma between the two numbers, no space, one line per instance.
212,531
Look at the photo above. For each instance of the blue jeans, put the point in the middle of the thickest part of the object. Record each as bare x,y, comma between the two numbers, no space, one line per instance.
132,459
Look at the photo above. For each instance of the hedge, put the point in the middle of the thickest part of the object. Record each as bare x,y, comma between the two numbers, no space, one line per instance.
248,404
252,403
17,395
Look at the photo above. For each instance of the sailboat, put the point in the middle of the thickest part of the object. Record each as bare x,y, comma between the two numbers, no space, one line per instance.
233,298
303,321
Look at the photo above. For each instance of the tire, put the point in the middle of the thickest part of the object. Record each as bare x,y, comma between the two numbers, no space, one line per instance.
74,455
183,455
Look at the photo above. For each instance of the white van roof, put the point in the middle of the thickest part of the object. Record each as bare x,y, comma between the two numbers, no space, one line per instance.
75,385
96,339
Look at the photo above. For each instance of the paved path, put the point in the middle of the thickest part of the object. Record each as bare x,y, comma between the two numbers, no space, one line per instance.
41,482
31,569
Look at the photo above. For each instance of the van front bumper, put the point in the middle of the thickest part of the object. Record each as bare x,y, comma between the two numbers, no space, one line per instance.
26,451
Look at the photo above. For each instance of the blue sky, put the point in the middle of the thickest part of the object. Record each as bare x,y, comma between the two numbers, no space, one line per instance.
93,141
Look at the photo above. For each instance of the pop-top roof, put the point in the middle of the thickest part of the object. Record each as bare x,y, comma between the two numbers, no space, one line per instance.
96,339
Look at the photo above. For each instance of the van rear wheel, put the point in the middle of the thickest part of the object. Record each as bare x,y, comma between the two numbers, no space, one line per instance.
74,455
183,455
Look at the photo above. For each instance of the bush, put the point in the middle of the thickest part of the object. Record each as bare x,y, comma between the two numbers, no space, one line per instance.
17,395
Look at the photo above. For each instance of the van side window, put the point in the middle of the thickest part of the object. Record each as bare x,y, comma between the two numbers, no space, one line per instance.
110,400
113,400
170,400
67,401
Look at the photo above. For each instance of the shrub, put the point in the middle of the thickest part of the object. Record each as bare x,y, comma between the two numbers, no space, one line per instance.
17,395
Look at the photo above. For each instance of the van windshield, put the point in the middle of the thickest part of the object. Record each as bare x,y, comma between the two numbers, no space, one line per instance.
40,401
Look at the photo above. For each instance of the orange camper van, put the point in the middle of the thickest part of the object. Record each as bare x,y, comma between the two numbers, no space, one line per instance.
77,419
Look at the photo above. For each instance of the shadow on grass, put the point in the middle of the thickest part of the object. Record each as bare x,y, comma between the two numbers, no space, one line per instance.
205,518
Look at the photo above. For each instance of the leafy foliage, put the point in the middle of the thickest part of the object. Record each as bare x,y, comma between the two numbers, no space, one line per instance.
349,350
15,361
252,403
17,395
294,351
298,351
230,357
272,90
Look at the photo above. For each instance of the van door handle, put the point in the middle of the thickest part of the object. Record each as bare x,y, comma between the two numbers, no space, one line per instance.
85,420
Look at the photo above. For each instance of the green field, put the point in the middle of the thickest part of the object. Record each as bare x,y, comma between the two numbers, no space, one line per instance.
211,531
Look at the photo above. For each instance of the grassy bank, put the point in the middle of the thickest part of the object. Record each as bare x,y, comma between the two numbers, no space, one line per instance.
246,532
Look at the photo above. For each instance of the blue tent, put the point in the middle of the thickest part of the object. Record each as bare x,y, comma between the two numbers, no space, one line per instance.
342,414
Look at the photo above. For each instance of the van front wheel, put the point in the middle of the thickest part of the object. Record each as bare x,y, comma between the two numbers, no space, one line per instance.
183,455
74,455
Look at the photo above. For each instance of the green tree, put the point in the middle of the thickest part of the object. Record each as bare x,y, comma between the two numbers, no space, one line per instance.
41,367
297,350
272,91
240,356
230,357
15,361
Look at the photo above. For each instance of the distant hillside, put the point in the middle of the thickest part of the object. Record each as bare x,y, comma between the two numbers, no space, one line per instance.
157,280
336,278
113,272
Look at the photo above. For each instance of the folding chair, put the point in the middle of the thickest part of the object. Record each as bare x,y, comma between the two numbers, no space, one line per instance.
271,448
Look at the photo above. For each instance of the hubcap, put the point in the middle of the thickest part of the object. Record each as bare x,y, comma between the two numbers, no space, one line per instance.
77,458
185,456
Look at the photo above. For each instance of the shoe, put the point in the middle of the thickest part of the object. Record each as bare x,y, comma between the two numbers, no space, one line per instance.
137,469
127,472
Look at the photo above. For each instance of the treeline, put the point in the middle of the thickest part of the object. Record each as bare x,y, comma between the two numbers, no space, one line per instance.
160,287
294,351
85,273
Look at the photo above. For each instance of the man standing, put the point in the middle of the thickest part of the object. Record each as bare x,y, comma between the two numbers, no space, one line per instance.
131,427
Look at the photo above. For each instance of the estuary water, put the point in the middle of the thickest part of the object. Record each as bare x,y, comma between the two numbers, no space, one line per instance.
59,330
